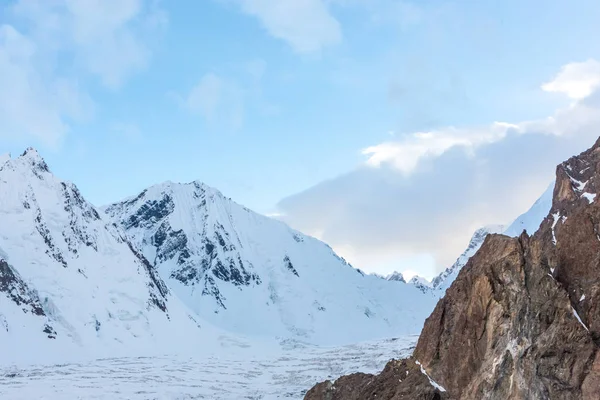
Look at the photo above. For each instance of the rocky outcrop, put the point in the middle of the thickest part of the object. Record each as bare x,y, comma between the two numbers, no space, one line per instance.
13,287
410,382
507,330
522,319
440,283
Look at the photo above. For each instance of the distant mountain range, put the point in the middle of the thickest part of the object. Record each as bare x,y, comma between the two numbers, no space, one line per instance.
174,265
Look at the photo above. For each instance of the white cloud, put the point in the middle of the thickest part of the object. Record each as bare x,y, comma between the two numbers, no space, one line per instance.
306,25
127,130
310,26
109,38
396,12
406,154
50,48
577,80
218,100
33,103
205,97
257,69
426,193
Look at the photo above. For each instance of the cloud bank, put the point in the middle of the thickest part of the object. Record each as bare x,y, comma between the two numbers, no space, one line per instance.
425,193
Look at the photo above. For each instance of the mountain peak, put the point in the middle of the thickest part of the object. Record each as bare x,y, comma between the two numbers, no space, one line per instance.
396,276
31,153
33,158
171,186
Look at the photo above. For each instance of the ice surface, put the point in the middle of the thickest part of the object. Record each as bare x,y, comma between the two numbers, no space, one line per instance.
251,374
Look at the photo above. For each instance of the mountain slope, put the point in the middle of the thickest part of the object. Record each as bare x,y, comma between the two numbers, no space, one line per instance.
68,277
443,281
4,158
254,275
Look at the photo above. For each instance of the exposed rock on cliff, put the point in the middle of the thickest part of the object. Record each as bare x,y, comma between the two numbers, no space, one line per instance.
522,319
410,382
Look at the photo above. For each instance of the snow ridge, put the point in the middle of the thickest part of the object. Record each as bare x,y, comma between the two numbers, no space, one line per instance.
396,277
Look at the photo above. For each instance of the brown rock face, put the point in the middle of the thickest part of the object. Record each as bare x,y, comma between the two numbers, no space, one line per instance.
409,383
522,319
571,234
506,329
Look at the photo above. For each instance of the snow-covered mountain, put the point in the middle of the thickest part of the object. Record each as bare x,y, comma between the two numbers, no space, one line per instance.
529,221
250,274
68,277
421,283
396,277
443,281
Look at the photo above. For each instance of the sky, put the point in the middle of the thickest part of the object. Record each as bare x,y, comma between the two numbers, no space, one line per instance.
390,129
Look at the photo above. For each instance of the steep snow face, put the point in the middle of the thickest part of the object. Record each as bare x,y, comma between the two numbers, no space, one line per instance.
443,281
67,275
254,275
532,219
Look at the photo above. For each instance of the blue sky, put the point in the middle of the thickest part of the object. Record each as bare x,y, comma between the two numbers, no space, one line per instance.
274,104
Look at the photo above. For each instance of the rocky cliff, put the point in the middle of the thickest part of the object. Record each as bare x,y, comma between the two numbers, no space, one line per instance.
521,320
